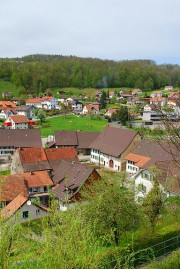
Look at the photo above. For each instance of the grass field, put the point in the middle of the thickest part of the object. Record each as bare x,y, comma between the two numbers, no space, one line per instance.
72,122
7,86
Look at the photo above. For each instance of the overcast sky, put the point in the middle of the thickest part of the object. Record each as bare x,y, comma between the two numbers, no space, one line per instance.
106,29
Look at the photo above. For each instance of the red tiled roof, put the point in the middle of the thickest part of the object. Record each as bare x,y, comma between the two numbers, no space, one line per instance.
19,119
47,98
7,104
60,153
12,186
157,99
7,109
37,179
32,155
90,107
34,100
139,160
13,206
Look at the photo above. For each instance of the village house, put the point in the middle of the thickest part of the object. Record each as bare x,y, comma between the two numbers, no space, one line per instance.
38,185
112,145
11,139
16,122
168,88
168,178
36,102
174,95
21,210
40,159
6,112
76,106
136,92
150,113
125,93
32,185
156,94
26,111
91,109
158,101
147,154
111,111
46,102
69,179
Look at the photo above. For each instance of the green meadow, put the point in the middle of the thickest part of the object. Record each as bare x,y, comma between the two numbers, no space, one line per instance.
72,122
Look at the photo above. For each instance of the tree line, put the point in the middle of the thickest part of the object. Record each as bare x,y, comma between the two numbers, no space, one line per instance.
35,73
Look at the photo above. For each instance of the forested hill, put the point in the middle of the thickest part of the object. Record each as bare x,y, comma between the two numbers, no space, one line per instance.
39,72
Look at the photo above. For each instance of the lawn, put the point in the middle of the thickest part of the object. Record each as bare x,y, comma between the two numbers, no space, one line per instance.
72,122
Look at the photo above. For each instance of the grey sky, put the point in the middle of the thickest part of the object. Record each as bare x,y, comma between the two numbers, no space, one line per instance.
106,29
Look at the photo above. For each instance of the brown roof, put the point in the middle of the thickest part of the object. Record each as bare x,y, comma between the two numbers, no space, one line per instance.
86,138
71,176
37,179
12,186
154,150
66,138
113,141
80,139
13,206
20,138
24,108
19,119
169,176
60,153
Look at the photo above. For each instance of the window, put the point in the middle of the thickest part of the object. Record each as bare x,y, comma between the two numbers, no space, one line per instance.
147,176
141,187
25,214
37,211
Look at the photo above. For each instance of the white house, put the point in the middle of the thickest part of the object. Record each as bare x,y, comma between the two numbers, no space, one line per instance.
168,178
17,122
6,112
146,153
36,102
91,108
49,102
168,88
26,111
158,101
21,209
156,94
111,146
77,106
136,92
46,102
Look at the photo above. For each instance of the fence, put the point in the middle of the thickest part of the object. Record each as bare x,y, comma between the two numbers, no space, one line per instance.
144,256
